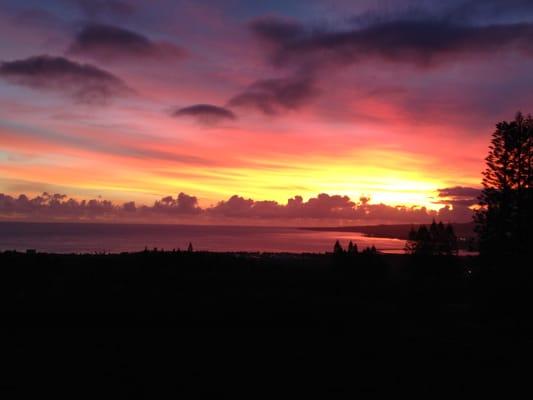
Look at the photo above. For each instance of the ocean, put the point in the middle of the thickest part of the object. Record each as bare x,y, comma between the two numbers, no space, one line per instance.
116,238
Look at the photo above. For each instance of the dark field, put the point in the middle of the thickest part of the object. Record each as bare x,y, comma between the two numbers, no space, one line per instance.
259,323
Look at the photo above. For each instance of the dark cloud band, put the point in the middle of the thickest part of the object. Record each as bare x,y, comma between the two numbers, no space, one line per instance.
423,42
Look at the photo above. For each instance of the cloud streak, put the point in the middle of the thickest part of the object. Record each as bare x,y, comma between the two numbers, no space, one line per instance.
106,42
206,113
460,192
458,201
459,196
83,82
421,42
273,96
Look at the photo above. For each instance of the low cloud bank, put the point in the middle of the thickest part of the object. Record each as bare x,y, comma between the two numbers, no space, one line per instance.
320,210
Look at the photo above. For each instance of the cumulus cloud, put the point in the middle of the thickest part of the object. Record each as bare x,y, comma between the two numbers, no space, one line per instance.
54,206
205,113
60,207
322,206
422,42
84,82
183,204
106,42
239,207
322,209
272,96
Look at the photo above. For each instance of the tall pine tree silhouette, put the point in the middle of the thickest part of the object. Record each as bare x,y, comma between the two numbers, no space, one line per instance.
505,219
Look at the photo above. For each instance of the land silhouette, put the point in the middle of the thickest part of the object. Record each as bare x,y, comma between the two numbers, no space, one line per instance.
426,321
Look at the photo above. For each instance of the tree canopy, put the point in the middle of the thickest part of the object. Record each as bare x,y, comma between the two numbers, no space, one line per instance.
505,218
438,239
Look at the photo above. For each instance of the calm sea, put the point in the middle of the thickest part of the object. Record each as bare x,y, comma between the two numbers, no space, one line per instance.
89,238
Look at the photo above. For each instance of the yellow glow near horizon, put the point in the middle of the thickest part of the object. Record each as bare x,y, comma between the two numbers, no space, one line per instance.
381,184
384,174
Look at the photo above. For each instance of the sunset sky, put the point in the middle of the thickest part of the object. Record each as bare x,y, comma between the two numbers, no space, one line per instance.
133,101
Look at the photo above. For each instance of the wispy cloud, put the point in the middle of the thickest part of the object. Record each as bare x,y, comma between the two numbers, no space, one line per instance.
272,96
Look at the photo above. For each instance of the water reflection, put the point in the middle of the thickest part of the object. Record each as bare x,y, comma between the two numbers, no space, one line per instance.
76,238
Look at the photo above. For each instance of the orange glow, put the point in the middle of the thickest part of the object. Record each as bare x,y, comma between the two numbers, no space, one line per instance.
259,166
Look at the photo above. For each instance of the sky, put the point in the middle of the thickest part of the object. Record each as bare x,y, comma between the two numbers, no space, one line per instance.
239,110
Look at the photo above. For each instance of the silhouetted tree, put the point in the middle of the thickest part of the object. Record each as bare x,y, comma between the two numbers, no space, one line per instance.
410,244
337,248
424,246
451,242
190,249
352,248
370,250
505,218
438,240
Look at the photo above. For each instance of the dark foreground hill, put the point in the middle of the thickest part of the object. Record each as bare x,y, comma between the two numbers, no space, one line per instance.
258,323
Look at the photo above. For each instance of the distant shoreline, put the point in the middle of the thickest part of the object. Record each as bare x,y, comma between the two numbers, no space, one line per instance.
82,237
393,231
463,230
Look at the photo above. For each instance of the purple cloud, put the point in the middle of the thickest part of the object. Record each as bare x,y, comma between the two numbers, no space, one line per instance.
205,113
422,42
106,42
460,191
458,201
84,82
272,96
181,205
